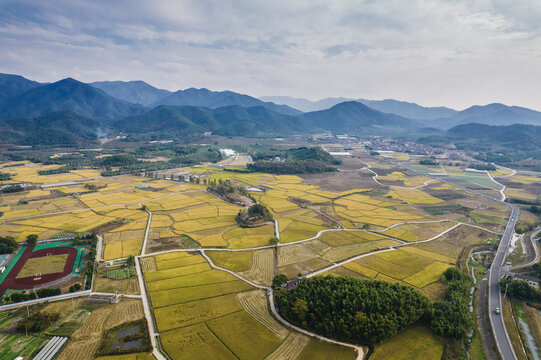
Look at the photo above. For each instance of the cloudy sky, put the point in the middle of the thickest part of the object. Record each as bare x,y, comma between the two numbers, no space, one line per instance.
434,52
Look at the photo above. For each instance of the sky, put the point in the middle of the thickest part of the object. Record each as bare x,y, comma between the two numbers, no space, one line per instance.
453,53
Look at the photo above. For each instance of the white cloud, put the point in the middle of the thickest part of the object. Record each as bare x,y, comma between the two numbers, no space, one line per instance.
434,52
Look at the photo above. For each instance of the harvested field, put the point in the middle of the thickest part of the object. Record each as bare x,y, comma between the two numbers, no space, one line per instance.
129,286
343,252
125,311
291,348
452,243
262,269
255,304
148,264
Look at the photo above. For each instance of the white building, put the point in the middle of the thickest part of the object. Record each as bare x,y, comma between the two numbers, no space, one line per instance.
227,152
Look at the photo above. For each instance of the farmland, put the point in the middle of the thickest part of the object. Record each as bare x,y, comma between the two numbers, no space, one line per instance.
389,227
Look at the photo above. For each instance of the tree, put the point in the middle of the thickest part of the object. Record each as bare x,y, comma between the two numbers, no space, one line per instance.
32,239
278,280
130,261
7,245
274,241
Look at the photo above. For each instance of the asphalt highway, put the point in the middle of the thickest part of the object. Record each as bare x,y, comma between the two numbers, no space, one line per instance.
494,295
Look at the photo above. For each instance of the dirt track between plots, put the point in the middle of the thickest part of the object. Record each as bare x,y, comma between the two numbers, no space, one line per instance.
11,282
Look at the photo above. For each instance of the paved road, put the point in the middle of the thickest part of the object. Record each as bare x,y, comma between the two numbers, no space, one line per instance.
494,295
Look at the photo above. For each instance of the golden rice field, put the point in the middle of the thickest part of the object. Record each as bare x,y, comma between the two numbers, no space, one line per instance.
411,266
234,261
413,196
413,343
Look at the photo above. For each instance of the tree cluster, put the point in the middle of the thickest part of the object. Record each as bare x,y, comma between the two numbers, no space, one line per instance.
7,245
11,189
254,215
291,167
37,322
524,227
353,310
519,289
451,317
60,170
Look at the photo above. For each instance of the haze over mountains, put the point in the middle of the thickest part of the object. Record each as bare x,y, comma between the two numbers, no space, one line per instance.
138,107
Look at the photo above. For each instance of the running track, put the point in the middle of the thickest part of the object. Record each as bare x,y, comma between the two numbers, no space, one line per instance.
11,282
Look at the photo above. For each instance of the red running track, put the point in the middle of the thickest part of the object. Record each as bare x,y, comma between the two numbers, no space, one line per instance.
12,283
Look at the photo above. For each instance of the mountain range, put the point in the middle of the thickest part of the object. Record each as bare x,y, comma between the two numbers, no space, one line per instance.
402,108
136,106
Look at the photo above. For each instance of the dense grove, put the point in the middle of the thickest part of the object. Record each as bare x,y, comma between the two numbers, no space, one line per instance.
7,245
353,310
291,167
520,290
451,317
303,160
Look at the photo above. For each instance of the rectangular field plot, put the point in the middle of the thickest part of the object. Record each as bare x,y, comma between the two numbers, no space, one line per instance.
412,267
194,342
181,295
234,329
175,272
241,238
181,315
418,232
203,278
43,265
122,248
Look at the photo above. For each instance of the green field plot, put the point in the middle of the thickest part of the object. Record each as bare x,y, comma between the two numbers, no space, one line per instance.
320,350
43,265
194,342
414,343
428,275
181,295
234,329
234,261
12,346
118,274
180,315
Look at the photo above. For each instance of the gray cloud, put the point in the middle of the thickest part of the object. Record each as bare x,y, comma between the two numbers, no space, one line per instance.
434,52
